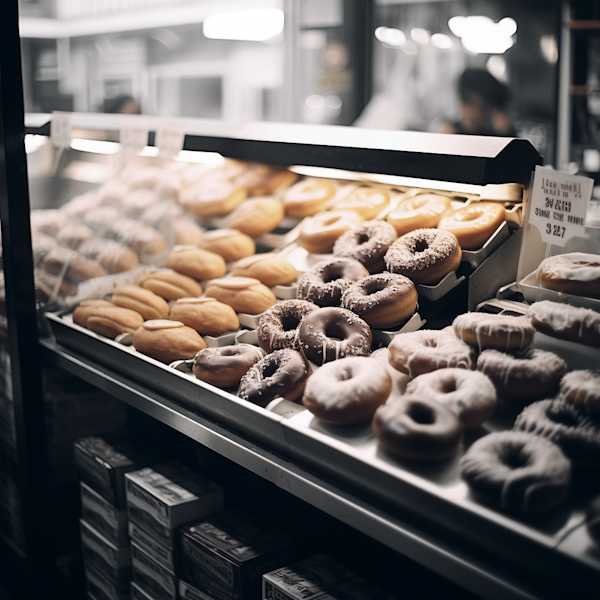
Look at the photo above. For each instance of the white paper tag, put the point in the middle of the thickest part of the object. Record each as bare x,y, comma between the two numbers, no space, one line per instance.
134,134
169,140
60,129
559,203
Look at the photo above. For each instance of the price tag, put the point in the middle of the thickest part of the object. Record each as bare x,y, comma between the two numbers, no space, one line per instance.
559,203
169,140
134,135
60,129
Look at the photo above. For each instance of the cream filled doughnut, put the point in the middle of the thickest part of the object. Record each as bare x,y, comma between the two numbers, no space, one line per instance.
231,244
196,263
268,268
420,212
426,350
278,326
308,197
86,308
566,322
110,255
474,225
207,316
143,301
225,366
71,265
319,233
527,375
367,243
425,255
331,333
325,283
112,321
347,391
517,471
382,300
170,285
417,429
167,340
582,388
485,330
470,395
574,273
243,294
368,202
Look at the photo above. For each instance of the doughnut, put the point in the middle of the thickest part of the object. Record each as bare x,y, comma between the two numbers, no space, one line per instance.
78,206
145,302
137,201
526,375
243,294
282,373
225,366
267,268
71,265
167,341
566,322
257,216
101,220
368,202
184,230
574,273
582,388
196,263
251,176
170,285
417,429
470,395
424,255
420,212
474,225
367,243
278,327
110,255
228,243
49,221
86,308
210,197
325,283
331,333
73,235
111,321
570,427
206,315
485,330
382,300
319,233
112,193
308,197
347,391
142,238
592,519
517,471
274,181
426,350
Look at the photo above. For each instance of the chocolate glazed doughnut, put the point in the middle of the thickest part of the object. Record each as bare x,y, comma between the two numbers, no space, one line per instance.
330,333
282,373
278,327
225,366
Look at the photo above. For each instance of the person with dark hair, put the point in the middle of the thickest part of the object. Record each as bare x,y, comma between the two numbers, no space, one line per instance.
483,105
122,104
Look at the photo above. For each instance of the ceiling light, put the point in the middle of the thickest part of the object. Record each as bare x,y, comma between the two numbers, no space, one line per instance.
409,47
390,36
481,35
256,25
95,146
441,40
419,35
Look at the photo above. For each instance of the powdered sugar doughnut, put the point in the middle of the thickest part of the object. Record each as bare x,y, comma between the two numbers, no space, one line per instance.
502,332
573,273
517,471
566,322
348,390
582,388
528,375
426,350
470,395
278,327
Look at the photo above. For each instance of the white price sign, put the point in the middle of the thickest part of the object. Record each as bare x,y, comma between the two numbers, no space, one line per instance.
169,140
134,134
558,204
60,129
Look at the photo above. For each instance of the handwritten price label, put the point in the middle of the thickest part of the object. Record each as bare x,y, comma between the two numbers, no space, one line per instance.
134,134
169,140
60,129
559,204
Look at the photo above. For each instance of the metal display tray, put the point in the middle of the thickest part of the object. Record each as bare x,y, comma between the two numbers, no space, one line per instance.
433,492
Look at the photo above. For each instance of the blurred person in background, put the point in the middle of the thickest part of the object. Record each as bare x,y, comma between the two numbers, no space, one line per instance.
122,104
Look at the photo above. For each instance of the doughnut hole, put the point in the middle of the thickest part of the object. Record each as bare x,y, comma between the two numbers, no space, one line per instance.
334,273
362,238
513,458
289,323
421,246
270,370
421,414
374,286
334,332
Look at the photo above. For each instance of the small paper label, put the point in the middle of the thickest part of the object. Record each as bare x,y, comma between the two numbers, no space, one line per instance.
134,134
559,204
60,130
169,140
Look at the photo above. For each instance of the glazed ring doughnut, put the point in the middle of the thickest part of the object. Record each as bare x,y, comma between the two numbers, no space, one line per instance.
368,202
382,300
367,243
417,429
225,366
325,283
282,373
278,327
474,225
485,330
424,255
308,197
470,395
566,322
257,216
331,333
575,273
420,212
582,388
427,350
347,391
212,197
568,426
528,375
319,233
517,471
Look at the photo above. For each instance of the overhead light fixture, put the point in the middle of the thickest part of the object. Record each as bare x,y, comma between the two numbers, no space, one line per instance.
419,35
441,40
257,25
95,146
481,35
390,36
